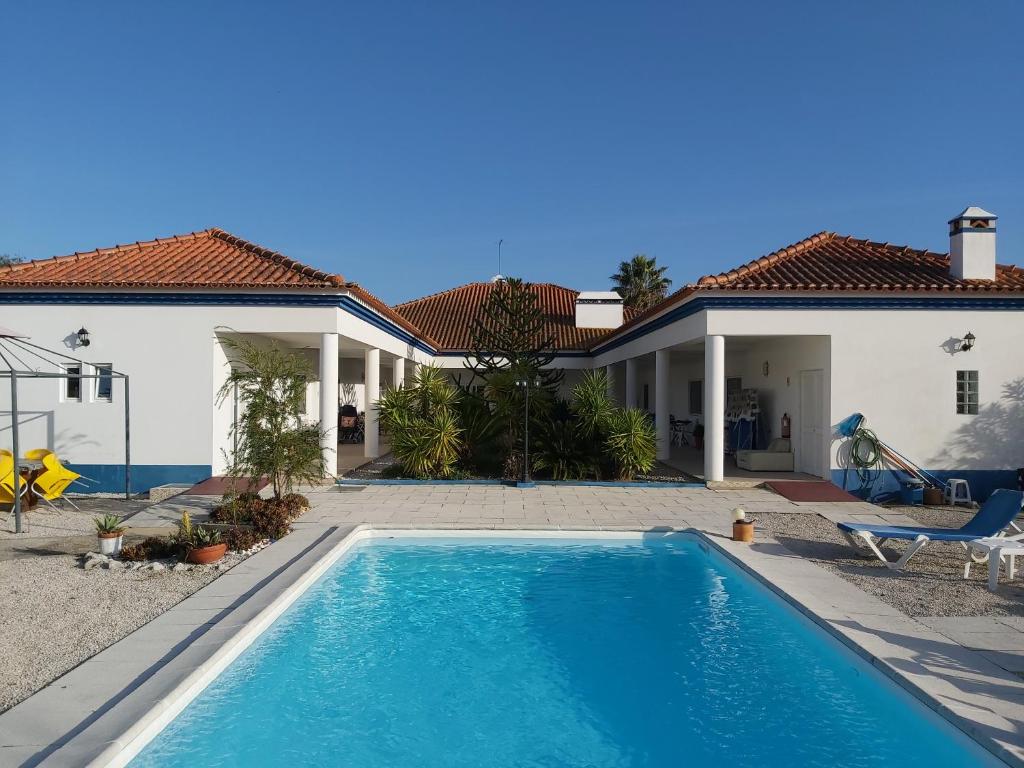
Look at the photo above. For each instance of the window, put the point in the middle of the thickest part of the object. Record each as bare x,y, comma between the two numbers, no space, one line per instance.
73,383
697,396
733,384
104,382
967,392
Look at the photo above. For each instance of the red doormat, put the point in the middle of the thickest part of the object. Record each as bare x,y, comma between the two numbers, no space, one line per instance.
219,485
810,490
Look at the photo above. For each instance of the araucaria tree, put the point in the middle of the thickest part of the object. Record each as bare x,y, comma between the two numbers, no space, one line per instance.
641,282
509,333
511,343
271,439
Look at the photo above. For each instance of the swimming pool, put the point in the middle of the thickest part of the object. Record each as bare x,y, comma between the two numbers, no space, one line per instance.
474,652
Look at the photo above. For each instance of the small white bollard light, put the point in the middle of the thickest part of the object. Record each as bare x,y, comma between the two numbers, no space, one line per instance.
742,528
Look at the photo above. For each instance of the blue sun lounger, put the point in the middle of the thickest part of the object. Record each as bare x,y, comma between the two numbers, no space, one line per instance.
997,513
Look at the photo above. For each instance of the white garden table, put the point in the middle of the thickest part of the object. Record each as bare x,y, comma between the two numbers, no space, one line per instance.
997,548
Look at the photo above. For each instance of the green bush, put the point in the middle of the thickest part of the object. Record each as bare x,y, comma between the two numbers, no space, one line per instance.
271,440
421,422
562,452
631,442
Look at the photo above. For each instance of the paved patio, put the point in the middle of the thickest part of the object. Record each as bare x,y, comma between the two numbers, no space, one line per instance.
955,665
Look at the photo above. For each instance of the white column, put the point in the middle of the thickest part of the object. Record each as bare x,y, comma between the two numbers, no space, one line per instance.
371,439
398,373
631,401
714,408
329,400
609,372
661,362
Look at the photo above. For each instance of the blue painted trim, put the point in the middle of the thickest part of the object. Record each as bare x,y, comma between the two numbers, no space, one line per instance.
109,478
520,484
353,307
930,303
623,483
346,303
410,481
887,483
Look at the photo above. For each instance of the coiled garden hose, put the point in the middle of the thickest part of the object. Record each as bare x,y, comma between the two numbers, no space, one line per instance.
865,454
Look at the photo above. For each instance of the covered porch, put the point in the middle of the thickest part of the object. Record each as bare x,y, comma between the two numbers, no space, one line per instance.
744,408
348,378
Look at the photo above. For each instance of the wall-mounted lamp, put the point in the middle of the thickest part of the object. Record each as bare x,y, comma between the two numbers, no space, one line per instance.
83,338
765,368
968,342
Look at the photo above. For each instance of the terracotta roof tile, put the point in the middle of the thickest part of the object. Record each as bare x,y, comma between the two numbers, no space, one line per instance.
840,263
830,262
208,259
447,316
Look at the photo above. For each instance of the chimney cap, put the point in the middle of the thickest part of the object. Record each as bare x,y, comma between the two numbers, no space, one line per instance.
973,212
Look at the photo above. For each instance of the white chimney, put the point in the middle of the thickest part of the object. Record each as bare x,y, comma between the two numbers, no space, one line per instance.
598,309
972,245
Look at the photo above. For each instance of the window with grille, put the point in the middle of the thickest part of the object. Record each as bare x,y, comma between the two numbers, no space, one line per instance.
967,392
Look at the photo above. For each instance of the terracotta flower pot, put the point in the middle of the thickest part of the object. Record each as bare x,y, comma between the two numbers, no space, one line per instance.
207,555
743,531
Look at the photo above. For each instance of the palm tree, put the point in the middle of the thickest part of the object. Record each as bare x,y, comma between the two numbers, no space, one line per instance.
641,282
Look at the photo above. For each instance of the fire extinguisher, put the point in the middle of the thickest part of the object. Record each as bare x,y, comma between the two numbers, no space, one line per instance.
785,425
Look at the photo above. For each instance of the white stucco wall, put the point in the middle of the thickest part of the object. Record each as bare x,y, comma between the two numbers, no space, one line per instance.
176,364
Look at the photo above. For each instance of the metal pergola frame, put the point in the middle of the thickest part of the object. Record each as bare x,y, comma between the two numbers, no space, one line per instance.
10,345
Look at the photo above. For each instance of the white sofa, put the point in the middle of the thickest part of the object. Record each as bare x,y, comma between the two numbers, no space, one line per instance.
777,457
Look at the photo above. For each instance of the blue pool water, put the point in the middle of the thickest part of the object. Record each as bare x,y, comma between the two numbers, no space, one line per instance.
481,653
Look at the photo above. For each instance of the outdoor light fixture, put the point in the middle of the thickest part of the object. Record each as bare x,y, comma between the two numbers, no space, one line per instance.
968,342
765,368
525,384
83,337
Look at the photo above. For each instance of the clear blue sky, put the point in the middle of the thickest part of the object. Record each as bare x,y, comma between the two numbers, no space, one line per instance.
397,142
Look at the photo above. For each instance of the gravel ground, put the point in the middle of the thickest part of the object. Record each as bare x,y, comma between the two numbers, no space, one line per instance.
56,614
933,583
45,521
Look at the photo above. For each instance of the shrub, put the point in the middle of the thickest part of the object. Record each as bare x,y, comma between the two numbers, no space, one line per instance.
272,520
151,548
241,538
238,509
563,452
591,403
271,439
422,424
296,502
631,442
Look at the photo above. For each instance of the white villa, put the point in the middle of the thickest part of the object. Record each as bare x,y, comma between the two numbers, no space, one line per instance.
814,332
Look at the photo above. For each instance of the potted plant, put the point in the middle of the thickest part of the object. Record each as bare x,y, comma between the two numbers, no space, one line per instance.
109,534
202,544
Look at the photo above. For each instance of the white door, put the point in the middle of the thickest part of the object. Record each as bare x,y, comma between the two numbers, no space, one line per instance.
811,446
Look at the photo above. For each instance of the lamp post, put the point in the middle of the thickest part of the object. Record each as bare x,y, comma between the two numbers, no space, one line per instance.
524,384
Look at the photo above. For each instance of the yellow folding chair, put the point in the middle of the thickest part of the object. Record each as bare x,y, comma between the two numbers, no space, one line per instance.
54,479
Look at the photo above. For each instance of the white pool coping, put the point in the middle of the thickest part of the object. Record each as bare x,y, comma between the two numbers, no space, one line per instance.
800,583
